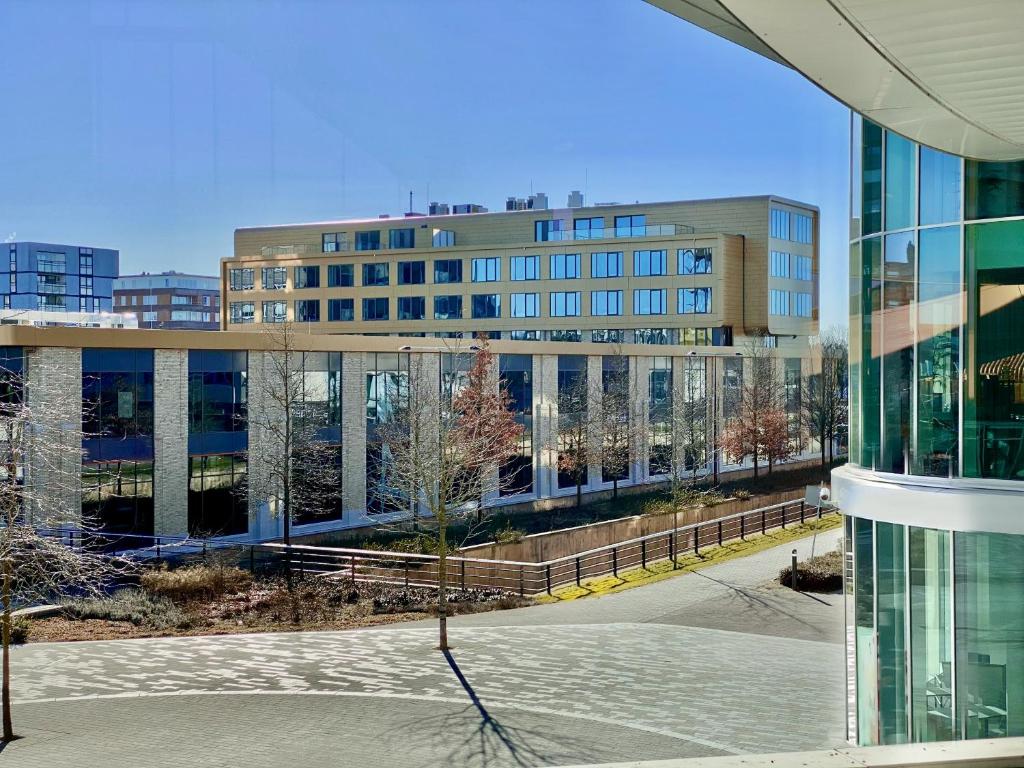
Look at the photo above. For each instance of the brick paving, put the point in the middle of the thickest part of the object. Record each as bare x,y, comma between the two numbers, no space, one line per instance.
655,672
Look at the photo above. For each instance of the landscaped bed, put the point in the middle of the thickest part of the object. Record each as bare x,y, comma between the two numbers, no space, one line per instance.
210,600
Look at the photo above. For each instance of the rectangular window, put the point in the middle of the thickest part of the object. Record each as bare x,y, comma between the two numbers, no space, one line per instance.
802,304
693,261
375,309
778,302
368,241
150,317
307,311
779,264
412,272
486,305
175,299
631,226
652,336
332,242
340,276
524,268
376,274
53,263
565,335
649,301
275,278
802,228
524,335
694,301
803,268
447,307
553,229
487,270
241,312
565,266
339,310
605,303
607,336
606,264
443,238
307,277
147,300
565,304
525,305
448,271
779,224
84,264
411,307
402,238
588,229
85,286
649,263
275,311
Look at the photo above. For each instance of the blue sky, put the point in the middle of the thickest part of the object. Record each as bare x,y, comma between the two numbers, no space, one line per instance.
157,127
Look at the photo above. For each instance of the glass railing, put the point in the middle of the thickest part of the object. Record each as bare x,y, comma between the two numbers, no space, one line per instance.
649,230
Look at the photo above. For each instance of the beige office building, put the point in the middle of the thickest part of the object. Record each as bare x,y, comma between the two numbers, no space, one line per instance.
701,272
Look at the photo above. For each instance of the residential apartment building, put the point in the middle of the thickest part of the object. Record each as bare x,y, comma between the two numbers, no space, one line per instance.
174,423
48,277
702,273
934,491
170,300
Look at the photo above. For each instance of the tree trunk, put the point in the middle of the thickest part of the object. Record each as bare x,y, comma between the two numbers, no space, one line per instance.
579,493
5,695
442,578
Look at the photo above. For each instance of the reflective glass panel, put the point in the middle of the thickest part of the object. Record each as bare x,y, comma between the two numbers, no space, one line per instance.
931,642
900,170
892,710
871,189
897,346
940,187
994,190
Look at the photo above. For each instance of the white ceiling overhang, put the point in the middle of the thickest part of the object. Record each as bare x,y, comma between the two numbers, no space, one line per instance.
945,73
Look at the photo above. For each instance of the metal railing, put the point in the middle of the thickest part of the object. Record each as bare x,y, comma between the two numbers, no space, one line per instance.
648,230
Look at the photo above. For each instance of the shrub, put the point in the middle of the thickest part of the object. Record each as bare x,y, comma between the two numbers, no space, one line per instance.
710,499
823,573
19,631
195,582
509,535
742,494
131,605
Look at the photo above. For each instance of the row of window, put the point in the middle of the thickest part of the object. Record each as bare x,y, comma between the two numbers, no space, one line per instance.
151,299
789,303
796,227
646,301
370,240
561,266
590,228
788,265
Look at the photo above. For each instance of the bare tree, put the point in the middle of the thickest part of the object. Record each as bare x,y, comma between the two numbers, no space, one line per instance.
617,419
761,394
40,478
295,465
689,424
576,451
825,406
444,444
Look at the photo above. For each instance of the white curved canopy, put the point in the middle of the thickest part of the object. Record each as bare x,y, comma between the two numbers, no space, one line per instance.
945,73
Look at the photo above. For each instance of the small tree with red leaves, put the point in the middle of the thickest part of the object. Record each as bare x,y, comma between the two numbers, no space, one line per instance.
775,439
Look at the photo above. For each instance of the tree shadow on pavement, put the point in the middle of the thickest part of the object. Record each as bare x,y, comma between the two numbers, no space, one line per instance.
756,602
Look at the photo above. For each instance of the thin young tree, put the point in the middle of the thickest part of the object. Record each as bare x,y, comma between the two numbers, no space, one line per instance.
824,406
41,559
576,451
294,465
444,444
760,394
689,428
616,419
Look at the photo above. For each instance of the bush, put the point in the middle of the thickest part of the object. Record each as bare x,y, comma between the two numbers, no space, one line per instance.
509,535
195,582
742,494
19,631
823,573
131,605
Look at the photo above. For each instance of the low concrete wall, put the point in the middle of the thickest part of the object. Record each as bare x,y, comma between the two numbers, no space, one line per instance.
539,547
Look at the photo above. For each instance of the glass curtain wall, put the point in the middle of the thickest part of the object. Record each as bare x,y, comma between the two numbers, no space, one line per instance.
387,378
572,421
516,372
660,417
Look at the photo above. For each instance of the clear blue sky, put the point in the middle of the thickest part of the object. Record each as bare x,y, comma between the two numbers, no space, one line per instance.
157,127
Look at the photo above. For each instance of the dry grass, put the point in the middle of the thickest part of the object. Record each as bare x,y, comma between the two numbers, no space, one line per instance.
823,573
195,582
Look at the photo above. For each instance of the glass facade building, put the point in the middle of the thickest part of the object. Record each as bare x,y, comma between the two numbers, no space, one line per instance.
934,491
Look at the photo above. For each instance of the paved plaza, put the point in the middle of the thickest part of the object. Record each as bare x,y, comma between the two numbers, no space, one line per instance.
710,663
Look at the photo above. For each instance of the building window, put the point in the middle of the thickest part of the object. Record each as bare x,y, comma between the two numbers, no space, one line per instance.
779,224
84,262
607,336
275,311
376,274
443,238
802,304
307,277
649,301
412,272
375,309
53,263
332,242
552,229
605,303
148,300
85,286
803,268
217,503
694,261
606,264
694,301
695,337
240,312
307,311
565,304
652,336
525,305
649,263
487,270
525,268
631,226
565,335
411,307
588,229
368,241
151,317
779,264
802,231
486,305
402,238
524,335
340,276
778,302
447,307
565,266
174,300
275,278
339,310
448,271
